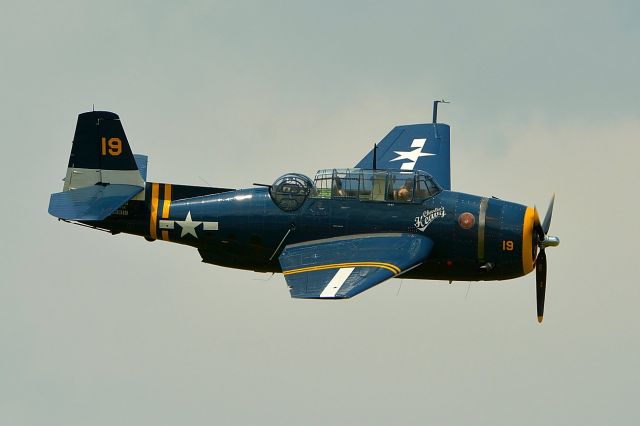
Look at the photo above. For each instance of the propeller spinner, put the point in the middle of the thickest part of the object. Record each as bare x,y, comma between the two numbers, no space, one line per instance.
543,241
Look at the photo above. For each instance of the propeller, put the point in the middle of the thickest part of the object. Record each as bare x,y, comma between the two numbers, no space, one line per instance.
543,241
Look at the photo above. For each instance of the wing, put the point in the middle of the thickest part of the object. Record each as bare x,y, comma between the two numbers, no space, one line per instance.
415,147
338,268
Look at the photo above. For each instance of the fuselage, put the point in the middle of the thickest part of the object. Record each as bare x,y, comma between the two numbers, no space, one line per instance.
475,238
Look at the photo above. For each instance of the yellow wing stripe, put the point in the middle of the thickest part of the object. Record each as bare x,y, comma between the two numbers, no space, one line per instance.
393,268
153,218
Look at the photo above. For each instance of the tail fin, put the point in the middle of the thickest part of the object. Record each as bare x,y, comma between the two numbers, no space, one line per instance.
102,174
101,153
415,147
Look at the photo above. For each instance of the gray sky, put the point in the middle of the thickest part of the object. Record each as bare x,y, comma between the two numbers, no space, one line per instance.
104,330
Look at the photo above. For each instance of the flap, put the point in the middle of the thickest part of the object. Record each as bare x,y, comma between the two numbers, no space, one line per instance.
94,202
337,268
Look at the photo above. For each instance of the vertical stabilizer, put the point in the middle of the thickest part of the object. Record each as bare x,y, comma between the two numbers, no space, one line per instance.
414,147
101,153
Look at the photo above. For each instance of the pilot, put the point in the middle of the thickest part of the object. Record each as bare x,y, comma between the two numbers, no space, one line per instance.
405,192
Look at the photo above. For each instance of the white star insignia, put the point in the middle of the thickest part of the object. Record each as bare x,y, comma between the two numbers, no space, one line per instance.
188,226
413,155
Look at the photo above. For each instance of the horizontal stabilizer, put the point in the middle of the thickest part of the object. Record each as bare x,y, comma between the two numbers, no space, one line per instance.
94,202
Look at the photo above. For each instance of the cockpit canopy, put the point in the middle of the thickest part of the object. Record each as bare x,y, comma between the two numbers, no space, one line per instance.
375,185
290,191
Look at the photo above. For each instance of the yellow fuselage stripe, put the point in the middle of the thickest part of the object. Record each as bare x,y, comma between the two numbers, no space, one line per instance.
153,221
393,268
166,205
167,201
527,241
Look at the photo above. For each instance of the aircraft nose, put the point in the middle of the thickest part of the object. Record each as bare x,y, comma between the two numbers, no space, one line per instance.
529,246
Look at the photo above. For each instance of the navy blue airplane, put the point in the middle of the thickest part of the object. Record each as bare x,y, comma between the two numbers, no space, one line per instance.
392,215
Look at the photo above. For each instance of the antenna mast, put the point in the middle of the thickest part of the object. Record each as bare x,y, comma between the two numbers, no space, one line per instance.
435,115
375,149
435,109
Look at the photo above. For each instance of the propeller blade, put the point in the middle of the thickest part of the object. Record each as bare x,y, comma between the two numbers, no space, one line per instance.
547,218
541,282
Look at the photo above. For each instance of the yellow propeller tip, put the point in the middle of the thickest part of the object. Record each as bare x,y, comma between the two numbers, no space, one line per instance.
539,319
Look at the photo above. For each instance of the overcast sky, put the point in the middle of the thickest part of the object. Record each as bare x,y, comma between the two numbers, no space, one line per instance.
102,330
